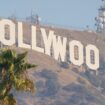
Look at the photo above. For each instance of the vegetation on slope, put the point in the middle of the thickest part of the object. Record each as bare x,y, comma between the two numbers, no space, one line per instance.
13,75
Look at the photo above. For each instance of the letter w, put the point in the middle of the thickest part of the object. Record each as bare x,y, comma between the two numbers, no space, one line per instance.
59,47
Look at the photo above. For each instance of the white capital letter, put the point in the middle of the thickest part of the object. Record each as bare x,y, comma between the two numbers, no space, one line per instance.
11,25
72,46
34,47
89,63
47,40
59,47
20,36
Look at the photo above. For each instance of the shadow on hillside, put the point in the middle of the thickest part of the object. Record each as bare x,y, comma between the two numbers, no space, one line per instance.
50,92
48,85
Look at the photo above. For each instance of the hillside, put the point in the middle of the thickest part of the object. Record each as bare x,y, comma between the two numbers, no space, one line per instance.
56,85
62,83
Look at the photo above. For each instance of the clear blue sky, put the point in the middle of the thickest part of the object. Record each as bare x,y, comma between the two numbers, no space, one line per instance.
72,13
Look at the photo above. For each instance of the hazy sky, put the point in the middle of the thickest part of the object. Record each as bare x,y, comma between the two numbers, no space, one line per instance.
71,13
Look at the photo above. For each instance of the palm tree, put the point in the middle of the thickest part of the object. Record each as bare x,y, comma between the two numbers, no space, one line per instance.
13,75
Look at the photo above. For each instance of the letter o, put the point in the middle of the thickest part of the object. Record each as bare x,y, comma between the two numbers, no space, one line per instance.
11,41
80,59
90,48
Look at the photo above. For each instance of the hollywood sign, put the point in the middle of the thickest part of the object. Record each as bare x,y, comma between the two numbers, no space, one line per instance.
51,41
